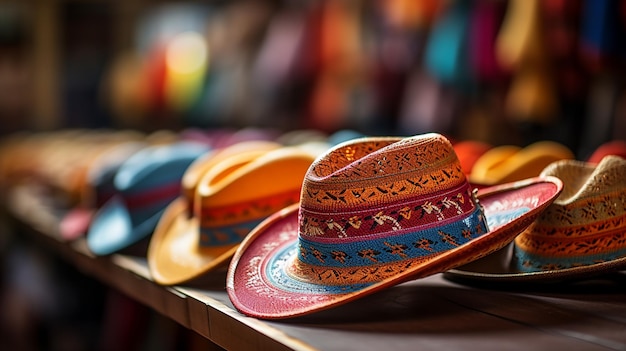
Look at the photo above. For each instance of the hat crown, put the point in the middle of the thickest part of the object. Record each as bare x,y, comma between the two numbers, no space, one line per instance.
591,193
586,224
151,177
155,165
583,180
379,170
382,156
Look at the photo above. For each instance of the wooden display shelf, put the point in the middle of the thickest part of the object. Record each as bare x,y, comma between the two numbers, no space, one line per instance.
428,314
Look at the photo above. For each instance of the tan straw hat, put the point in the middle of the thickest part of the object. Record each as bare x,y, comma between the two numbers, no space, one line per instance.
581,234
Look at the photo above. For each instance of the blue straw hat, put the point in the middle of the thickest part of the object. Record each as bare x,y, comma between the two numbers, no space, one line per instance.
144,185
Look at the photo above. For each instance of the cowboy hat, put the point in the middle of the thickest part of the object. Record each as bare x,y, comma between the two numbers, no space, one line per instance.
375,212
98,187
225,195
100,169
581,234
508,163
144,185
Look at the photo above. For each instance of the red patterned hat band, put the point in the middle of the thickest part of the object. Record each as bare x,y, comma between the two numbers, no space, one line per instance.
141,199
229,224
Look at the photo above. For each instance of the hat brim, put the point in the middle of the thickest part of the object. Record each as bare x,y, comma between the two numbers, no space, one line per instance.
112,230
258,285
75,223
175,255
499,268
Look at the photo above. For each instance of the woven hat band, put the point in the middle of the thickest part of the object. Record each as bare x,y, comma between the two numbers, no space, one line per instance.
376,219
536,252
229,224
532,262
411,243
375,260
140,199
226,235
216,216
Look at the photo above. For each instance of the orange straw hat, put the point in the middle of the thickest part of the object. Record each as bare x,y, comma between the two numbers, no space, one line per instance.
508,163
375,212
224,196
581,234
468,152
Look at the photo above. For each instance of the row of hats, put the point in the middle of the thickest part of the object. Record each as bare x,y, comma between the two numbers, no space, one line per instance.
485,164
78,166
311,225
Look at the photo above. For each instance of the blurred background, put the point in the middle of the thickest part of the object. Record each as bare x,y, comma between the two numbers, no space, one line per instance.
497,71
500,71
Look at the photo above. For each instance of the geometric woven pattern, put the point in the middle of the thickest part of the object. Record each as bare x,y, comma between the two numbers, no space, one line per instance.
585,225
382,202
375,212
